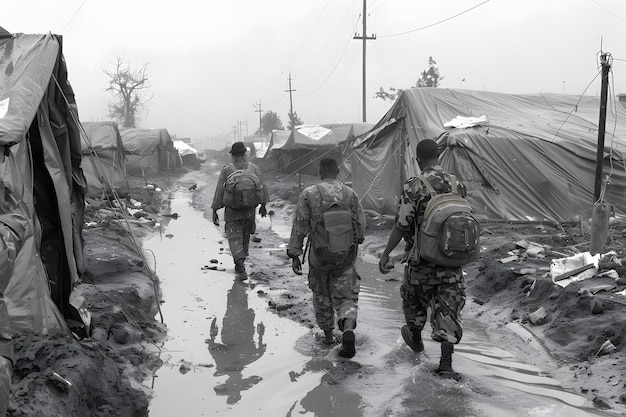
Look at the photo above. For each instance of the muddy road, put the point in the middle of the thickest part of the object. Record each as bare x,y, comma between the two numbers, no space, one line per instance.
228,352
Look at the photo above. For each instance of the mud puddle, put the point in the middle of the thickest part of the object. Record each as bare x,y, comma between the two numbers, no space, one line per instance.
227,354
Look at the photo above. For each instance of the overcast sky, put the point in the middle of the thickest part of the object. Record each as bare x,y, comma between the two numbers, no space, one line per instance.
212,62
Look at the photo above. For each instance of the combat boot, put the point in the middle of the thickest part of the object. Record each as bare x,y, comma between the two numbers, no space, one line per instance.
240,270
413,339
445,362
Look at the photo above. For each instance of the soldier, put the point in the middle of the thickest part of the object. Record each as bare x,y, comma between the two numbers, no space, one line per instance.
426,284
240,222
332,276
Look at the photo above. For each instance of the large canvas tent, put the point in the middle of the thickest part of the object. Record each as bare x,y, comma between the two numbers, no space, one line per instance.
104,162
301,149
41,189
523,157
148,150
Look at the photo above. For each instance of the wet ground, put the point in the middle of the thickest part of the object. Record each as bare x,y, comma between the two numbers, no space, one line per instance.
228,354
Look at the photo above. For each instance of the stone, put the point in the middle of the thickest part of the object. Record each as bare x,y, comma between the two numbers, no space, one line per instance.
538,317
597,307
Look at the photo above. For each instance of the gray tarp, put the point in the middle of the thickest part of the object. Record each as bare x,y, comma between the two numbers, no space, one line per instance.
148,150
41,182
301,150
533,158
104,163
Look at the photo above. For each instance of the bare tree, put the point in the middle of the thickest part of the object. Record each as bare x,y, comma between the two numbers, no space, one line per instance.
128,88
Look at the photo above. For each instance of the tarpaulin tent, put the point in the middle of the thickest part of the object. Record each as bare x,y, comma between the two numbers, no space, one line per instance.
148,150
188,154
41,188
522,157
104,163
301,149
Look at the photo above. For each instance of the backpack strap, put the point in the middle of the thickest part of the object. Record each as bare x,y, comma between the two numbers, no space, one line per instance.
432,191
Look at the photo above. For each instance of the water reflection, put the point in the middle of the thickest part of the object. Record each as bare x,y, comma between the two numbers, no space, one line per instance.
238,347
330,397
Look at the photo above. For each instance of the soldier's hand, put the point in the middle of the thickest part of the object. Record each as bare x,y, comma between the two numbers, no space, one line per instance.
216,219
296,265
384,265
263,210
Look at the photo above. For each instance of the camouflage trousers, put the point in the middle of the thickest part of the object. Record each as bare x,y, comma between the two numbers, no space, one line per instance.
238,234
334,296
440,289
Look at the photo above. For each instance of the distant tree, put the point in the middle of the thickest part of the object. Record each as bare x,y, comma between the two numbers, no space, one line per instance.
128,88
269,122
294,120
428,78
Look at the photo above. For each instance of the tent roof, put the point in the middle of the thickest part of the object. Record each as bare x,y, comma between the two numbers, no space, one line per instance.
524,157
25,78
315,136
184,148
100,136
145,141
567,120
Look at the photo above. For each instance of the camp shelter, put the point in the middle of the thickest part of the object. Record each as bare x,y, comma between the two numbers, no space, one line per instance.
300,150
148,151
41,188
104,163
188,154
522,157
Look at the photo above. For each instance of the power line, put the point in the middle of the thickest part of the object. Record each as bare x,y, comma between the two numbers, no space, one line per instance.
73,16
436,23
187,113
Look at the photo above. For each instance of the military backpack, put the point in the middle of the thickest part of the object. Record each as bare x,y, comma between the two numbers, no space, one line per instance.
449,233
243,189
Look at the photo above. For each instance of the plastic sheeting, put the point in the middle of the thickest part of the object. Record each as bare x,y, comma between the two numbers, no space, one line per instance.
42,182
148,150
104,163
301,150
532,159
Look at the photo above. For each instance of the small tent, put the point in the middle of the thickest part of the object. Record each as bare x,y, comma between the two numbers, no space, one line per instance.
188,154
148,151
41,189
104,162
301,149
522,157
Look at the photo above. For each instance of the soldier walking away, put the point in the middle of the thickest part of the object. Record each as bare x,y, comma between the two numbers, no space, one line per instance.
427,284
330,214
240,189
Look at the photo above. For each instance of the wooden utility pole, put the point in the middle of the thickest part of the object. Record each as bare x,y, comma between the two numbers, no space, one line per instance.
601,211
290,102
606,67
365,39
293,130
260,110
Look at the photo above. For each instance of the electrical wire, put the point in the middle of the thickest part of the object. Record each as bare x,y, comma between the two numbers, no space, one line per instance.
116,197
436,23
73,16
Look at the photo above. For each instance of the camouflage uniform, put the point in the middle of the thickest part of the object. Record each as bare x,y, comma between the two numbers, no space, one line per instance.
335,293
239,224
426,284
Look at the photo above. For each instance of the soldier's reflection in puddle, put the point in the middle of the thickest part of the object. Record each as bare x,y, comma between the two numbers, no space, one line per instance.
237,348
329,398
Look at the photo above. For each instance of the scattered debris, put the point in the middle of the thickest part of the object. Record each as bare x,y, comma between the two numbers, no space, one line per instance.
538,317
606,348
509,259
